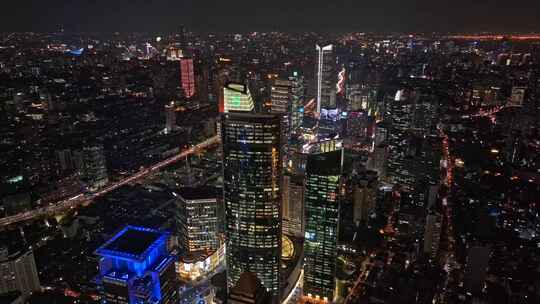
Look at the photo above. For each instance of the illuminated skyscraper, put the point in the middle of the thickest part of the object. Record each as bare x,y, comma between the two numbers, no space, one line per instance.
297,99
188,76
252,194
280,96
197,214
326,77
281,104
323,172
400,118
135,267
414,150
293,205
170,118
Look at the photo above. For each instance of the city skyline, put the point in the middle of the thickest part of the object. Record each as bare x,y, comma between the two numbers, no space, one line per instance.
269,153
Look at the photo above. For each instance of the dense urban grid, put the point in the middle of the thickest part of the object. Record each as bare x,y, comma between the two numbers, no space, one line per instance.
269,167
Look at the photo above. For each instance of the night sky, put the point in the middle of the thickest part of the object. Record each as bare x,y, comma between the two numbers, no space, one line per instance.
283,15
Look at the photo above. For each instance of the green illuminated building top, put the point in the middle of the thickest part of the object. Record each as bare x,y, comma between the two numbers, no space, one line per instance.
237,98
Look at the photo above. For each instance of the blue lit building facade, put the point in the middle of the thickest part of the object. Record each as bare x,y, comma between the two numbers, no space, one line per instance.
135,267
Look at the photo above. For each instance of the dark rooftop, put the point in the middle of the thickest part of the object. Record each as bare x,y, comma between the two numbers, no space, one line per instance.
198,193
329,163
132,242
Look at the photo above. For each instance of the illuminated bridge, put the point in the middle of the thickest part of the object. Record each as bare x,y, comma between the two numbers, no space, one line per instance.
87,198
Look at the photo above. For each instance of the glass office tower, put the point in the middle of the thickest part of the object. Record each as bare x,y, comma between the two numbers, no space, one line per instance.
323,172
326,77
252,194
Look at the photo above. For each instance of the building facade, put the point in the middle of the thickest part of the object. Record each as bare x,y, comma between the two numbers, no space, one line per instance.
252,195
432,234
293,205
198,220
237,97
18,271
323,174
95,167
188,76
364,196
135,267
280,96
297,102
326,77
170,118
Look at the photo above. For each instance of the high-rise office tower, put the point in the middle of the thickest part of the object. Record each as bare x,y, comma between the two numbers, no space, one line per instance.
414,150
326,77
293,205
203,81
364,196
252,190
432,233
188,76
378,160
400,116
95,167
297,99
425,165
280,96
18,271
323,174
170,118
425,118
197,215
136,267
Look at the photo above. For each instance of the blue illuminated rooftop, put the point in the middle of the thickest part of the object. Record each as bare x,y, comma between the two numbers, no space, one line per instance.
76,52
134,244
